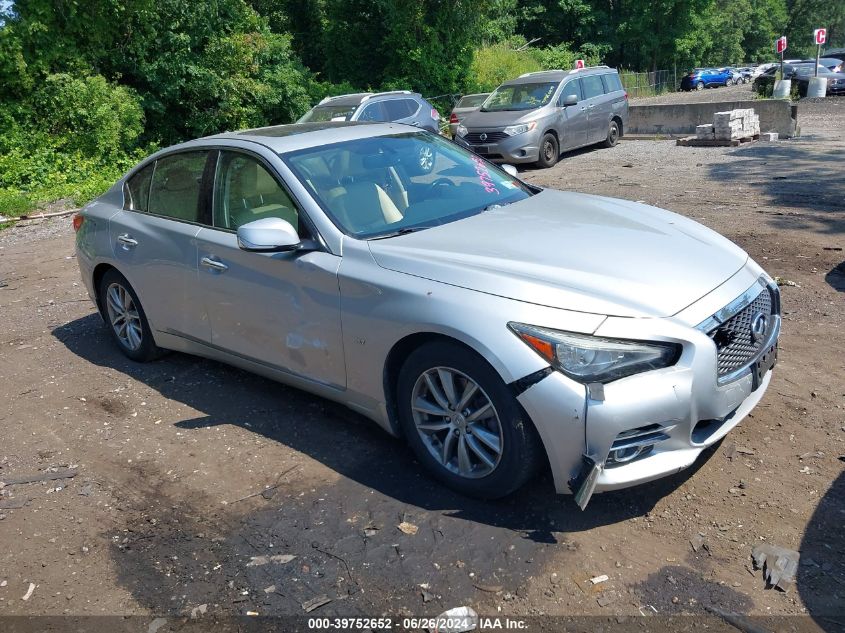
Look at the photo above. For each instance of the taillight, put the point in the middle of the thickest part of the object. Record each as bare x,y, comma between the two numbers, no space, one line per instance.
626,96
435,114
78,219
454,118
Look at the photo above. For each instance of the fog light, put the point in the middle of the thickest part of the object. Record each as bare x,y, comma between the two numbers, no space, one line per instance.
624,455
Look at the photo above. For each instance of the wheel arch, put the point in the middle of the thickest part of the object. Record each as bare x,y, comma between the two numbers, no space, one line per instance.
97,275
621,125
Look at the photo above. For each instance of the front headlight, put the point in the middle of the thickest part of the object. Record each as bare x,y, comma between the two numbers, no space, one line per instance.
521,128
462,130
595,359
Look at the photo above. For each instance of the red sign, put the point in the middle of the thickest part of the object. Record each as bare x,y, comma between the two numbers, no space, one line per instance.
780,44
820,36
579,63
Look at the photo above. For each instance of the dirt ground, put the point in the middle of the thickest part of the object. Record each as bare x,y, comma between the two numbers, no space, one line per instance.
167,513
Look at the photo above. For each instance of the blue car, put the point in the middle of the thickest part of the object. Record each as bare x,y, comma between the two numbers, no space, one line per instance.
702,78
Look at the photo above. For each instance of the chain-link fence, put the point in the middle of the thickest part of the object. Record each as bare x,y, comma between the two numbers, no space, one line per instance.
648,84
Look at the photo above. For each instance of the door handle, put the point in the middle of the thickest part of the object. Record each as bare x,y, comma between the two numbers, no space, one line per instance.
591,106
127,241
214,264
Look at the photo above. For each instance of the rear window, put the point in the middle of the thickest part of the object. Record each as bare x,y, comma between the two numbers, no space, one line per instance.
611,82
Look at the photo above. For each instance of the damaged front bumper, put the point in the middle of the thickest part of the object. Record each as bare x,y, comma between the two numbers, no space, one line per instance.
646,426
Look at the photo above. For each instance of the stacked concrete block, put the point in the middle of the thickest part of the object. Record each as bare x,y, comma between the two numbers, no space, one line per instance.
735,124
705,132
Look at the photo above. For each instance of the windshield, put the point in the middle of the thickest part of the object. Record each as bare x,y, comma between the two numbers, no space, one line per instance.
520,96
318,114
386,185
471,101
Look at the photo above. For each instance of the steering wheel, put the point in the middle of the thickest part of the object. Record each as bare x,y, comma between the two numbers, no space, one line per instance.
434,186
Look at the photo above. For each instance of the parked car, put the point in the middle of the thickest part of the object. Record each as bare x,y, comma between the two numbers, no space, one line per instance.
746,74
465,105
735,75
400,106
537,116
762,68
497,326
702,78
833,64
800,75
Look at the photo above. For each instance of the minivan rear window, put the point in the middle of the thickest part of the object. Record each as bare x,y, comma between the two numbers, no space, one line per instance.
611,82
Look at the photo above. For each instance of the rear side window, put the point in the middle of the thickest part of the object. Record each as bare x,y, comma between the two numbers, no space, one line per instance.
175,190
571,88
592,86
136,192
611,82
400,108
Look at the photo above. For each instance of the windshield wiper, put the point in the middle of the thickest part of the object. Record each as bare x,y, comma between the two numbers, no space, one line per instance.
403,231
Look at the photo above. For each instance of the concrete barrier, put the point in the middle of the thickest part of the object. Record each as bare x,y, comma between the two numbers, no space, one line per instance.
678,119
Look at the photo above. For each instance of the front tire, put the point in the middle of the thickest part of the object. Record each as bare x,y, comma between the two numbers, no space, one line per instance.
612,134
463,423
126,319
699,85
549,151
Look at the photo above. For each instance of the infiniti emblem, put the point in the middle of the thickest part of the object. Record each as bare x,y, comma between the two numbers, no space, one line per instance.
759,325
483,136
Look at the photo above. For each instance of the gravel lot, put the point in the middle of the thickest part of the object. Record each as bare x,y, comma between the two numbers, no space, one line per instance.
166,511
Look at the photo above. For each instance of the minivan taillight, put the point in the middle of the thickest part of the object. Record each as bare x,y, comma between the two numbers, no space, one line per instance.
454,118
78,219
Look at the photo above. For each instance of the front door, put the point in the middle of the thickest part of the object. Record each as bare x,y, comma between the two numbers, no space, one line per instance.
279,309
573,119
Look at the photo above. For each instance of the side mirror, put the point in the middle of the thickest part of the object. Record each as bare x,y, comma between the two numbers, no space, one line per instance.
268,235
513,171
570,100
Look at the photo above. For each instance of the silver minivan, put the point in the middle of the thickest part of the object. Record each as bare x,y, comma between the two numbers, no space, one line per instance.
536,117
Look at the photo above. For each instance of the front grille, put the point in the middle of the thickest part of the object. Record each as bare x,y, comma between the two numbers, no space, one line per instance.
734,340
474,138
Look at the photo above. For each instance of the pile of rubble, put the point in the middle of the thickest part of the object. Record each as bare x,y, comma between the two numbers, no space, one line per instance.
731,125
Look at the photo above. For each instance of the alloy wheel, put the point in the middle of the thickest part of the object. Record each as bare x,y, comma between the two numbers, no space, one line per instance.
124,317
457,422
548,151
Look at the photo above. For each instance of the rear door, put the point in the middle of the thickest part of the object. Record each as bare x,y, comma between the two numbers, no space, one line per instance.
572,120
278,309
616,98
595,100
154,242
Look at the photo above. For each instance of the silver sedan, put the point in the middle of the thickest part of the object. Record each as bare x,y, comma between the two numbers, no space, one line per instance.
498,327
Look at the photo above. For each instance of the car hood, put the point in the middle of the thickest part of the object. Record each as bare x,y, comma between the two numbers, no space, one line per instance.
487,120
572,251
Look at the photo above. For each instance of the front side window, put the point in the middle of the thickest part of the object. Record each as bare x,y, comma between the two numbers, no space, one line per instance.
592,86
137,190
244,191
520,97
571,88
175,189
374,187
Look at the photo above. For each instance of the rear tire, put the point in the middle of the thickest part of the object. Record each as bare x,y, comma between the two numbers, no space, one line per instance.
125,318
549,151
699,85
463,423
612,134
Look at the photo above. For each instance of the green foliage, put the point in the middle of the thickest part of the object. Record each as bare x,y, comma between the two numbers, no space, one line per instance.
495,63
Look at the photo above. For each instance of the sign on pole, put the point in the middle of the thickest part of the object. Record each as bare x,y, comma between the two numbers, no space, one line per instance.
820,37
780,44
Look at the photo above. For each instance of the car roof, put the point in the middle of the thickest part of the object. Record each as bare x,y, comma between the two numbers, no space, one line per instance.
295,136
359,97
556,75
